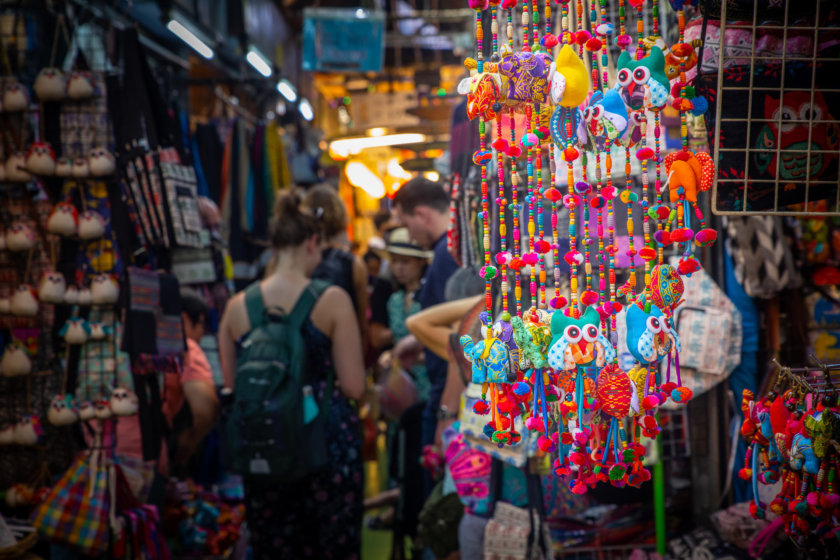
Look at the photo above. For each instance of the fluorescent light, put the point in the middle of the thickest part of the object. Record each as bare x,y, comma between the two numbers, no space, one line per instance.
259,62
287,90
378,131
280,108
346,146
396,170
432,175
361,176
190,38
306,109
361,13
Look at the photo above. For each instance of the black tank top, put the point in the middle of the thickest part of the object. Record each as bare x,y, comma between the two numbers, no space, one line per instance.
337,267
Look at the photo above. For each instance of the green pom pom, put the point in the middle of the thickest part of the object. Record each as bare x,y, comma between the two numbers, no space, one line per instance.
506,317
629,455
617,471
690,92
490,272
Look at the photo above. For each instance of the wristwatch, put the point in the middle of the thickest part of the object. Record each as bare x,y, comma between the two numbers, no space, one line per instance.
445,414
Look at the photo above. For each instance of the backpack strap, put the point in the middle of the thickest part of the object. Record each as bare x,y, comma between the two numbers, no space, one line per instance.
306,301
254,305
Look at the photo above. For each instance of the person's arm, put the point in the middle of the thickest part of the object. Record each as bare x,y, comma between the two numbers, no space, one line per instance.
380,335
227,338
346,342
361,295
451,397
432,326
204,405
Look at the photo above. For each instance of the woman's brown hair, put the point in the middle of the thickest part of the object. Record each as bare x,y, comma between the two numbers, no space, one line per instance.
292,223
325,204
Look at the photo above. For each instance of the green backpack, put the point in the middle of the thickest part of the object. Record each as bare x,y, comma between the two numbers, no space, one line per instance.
266,435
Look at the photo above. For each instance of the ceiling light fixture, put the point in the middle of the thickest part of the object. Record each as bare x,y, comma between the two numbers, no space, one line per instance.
259,62
287,90
305,109
190,38
361,176
342,148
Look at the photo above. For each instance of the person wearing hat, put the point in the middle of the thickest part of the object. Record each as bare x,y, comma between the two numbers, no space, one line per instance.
408,262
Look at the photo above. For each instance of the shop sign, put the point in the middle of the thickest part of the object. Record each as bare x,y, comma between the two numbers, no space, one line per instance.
343,40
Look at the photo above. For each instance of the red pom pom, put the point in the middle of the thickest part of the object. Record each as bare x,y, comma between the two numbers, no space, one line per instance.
688,267
479,4
566,438
647,253
581,37
500,145
681,235
558,302
481,407
508,4
577,458
650,402
553,194
549,41
683,155
594,44
514,151
542,246
545,444
676,89
668,387
570,154
506,406
645,153
517,264
682,50
705,237
649,422
588,297
579,489
745,474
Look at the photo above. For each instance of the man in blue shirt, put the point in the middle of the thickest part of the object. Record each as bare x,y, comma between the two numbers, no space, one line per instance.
422,206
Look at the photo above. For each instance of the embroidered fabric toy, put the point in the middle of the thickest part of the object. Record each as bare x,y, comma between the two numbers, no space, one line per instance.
666,287
578,341
643,83
63,219
15,360
62,411
527,77
490,360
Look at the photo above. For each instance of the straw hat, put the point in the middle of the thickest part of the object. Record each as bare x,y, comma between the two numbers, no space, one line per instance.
401,244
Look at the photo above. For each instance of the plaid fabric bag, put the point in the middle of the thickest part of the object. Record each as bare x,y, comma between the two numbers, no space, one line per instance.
75,513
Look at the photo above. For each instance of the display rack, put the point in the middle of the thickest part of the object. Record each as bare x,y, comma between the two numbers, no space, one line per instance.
797,134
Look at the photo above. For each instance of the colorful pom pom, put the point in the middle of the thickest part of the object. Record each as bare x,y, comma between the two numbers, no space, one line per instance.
479,4
623,41
644,154
705,237
558,302
588,297
570,154
647,253
521,388
582,187
549,41
514,151
481,408
501,145
553,194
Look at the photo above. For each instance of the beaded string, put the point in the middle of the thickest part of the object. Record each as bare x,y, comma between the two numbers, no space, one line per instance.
587,240
535,20
598,198
655,12
488,271
640,30
538,194
564,21
501,201
510,31
548,22
646,206
530,199
579,24
658,182
526,25
629,198
517,235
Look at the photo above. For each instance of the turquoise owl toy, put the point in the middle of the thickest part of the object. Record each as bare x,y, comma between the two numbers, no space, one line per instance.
643,83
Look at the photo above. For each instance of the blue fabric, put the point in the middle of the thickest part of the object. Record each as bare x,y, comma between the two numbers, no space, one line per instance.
432,293
745,376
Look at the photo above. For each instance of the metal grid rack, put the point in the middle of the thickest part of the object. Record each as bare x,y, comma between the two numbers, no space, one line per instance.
791,154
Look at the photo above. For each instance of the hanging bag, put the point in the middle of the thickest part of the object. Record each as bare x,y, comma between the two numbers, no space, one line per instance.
75,513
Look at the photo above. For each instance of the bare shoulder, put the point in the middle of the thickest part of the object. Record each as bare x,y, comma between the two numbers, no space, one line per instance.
331,307
235,317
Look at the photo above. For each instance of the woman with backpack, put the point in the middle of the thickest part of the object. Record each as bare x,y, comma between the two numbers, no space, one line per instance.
292,354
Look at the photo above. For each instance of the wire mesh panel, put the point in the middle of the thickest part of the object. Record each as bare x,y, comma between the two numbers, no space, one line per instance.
777,109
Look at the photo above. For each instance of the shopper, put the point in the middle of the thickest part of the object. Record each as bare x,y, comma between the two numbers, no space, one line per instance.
193,386
338,265
408,264
422,206
319,516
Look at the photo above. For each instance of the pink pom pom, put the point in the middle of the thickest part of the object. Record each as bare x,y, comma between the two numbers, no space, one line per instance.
531,258
644,154
650,402
535,424
508,4
479,4
549,41
829,501
623,41
579,489
813,498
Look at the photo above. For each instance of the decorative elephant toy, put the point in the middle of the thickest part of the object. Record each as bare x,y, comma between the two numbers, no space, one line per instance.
490,360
